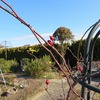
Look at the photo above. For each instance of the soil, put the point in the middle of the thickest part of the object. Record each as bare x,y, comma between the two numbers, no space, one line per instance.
26,88
20,88
35,89
54,90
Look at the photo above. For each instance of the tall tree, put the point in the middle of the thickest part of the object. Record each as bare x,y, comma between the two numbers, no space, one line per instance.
64,37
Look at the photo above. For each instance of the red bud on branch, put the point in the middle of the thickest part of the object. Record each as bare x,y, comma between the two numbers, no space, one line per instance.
80,68
50,42
47,82
52,38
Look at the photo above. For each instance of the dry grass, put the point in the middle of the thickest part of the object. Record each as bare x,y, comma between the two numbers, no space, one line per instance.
30,87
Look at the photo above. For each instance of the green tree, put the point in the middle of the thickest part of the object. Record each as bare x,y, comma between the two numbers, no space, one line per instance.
64,37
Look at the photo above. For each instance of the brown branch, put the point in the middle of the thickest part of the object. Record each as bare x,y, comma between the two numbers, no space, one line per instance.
46,89
62,86
14,14
9,7
37,35
69,91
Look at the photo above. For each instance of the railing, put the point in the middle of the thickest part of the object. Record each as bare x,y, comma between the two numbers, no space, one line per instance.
85,79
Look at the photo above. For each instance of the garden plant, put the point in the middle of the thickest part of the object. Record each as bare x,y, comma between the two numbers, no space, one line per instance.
83,75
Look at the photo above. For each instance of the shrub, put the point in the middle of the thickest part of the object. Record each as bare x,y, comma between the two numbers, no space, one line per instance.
13,65
37,67
7,65
24,63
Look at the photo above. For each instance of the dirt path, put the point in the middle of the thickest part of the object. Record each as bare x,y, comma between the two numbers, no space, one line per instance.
55,89
35,89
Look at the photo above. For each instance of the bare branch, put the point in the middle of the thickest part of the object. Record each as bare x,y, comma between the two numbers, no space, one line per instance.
38,37
9,7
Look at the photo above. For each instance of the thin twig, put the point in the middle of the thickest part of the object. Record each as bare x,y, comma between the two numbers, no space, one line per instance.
62,86
12,12
46,89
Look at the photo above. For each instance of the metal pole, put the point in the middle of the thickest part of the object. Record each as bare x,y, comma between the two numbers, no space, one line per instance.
90,59
4,81
5,50
86,57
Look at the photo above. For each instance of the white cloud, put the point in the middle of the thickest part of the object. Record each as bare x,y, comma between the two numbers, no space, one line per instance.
23,37
30,39
27,37
78,36
47,34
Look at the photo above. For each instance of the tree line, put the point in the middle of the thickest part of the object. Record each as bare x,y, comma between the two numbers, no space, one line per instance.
36,51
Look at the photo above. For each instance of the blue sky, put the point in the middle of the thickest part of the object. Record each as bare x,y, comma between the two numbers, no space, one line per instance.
45,16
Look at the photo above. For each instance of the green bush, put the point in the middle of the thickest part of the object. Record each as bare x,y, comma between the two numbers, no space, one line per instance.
7,65
37,67
13,65
24,63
